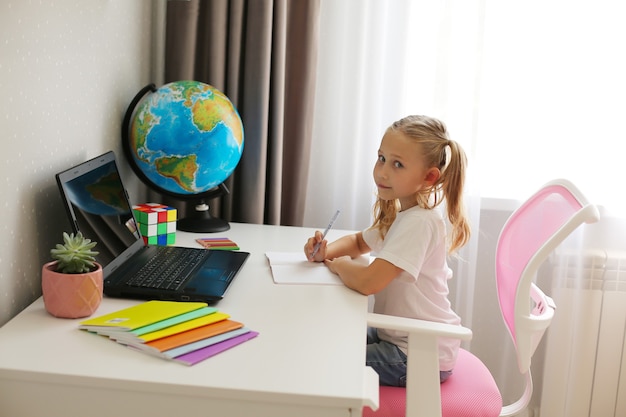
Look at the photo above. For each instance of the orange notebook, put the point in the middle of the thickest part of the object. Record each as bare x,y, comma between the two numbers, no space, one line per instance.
194,335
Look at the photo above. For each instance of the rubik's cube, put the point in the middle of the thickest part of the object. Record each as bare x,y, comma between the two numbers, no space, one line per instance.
157,223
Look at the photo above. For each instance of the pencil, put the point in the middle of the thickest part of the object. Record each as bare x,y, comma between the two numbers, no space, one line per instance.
330,224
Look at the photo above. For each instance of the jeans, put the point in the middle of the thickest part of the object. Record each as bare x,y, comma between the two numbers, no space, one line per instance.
389,361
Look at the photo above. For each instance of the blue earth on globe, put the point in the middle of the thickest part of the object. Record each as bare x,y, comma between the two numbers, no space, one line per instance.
186,138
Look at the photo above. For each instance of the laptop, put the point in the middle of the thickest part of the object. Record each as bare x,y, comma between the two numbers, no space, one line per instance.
98,206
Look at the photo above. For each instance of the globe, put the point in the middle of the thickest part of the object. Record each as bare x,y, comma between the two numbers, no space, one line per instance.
184,139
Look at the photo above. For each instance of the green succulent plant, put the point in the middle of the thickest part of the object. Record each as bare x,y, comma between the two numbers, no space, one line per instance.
75,256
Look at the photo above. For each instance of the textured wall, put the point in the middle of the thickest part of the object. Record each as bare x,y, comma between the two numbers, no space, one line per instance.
68,70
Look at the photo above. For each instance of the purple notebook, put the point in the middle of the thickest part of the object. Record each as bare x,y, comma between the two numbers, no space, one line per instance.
199,355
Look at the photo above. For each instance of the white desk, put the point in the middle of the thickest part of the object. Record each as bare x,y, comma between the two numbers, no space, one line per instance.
308,359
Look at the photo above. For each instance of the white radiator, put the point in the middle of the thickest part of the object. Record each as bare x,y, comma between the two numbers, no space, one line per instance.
585,361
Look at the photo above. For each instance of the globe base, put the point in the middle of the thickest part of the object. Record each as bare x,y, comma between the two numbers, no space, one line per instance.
202,222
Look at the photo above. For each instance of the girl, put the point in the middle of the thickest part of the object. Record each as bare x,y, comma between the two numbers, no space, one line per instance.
418,167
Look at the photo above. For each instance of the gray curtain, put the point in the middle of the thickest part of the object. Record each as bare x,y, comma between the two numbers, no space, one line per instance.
262,54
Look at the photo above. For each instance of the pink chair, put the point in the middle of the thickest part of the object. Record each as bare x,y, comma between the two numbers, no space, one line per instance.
532,232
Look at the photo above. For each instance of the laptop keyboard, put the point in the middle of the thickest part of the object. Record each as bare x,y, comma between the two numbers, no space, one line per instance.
169,269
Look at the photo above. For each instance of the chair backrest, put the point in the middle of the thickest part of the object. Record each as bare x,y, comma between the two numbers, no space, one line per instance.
530,234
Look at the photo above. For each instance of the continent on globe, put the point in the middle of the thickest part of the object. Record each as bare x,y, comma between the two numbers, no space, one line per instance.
180,169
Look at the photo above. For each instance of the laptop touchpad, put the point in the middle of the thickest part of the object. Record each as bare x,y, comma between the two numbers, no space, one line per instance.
210,280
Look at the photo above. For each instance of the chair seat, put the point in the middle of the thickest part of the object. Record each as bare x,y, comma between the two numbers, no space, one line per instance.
469,392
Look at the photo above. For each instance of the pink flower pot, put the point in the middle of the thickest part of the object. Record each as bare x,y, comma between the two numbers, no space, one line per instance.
71,296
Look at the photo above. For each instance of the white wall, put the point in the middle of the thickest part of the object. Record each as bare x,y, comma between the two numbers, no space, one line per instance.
68,70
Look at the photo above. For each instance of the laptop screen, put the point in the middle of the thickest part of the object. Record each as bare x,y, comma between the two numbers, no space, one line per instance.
98,206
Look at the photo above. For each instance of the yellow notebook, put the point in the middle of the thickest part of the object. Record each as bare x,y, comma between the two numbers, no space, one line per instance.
139,315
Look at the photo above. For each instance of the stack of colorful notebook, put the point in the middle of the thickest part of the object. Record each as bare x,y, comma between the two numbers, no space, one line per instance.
184,332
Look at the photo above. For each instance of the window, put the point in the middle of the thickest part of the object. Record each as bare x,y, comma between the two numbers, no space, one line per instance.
552,98
533,91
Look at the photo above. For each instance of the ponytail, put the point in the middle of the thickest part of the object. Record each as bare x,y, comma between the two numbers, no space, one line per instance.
452,184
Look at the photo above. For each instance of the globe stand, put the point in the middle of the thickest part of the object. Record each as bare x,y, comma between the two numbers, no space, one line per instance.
200,219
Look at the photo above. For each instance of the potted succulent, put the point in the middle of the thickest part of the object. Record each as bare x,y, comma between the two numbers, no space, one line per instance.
72,283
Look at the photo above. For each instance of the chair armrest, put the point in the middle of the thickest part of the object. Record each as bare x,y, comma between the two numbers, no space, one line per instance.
383,321
422,359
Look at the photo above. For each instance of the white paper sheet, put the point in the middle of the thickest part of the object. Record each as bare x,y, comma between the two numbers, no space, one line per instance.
293,268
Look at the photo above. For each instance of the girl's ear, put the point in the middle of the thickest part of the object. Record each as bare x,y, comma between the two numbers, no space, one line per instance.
432,175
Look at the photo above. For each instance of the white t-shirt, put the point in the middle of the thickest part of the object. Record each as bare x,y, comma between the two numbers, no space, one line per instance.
416,243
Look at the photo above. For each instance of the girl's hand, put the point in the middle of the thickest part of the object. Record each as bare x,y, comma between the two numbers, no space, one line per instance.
309,248
334,264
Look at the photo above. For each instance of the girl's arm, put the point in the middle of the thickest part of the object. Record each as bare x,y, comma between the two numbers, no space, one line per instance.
338,257
366,279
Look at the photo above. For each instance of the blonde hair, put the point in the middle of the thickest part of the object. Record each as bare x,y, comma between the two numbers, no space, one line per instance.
445,154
